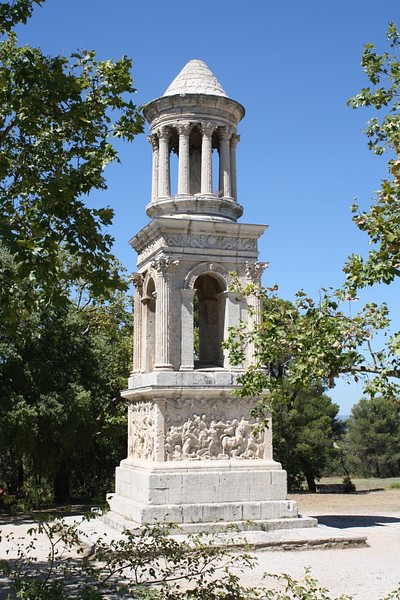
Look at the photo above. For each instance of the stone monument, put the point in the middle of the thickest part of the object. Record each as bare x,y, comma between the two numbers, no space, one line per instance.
193,457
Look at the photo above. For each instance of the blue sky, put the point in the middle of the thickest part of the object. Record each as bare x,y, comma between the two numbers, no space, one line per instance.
302,158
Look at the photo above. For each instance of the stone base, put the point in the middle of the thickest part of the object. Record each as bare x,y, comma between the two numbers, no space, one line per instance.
203,495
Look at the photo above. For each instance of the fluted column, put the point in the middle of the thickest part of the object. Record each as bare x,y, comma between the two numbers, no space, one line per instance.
137,280
253,273
224,164
187,336
184,164
206,158
234,141
162,348
153,139
164,186
232,319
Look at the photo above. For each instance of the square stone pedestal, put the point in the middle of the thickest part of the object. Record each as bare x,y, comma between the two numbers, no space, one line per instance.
203,496
196,459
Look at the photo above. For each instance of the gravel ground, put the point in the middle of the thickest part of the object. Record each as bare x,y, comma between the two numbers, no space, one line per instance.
368,573
365,573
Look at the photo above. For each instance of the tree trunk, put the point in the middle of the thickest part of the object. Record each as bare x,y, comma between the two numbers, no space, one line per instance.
61,486
310,482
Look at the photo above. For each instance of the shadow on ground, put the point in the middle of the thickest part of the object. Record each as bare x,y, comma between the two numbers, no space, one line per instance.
347,521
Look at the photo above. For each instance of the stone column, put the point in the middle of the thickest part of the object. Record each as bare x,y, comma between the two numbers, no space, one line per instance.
187,338
137,280
162,347
253,274
224,164
153,139
164,186
232,319
234,141
206,158
183,166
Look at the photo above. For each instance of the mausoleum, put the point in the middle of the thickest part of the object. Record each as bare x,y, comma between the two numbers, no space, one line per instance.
193,456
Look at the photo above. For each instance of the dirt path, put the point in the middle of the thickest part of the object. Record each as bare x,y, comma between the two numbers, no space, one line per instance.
364,573
368,573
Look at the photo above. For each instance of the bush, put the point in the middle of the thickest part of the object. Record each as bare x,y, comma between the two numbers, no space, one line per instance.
394,486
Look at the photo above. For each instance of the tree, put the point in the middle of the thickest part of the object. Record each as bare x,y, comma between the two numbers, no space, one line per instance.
58,119
382,220
304,434
303,344
373,437
61,418
315,341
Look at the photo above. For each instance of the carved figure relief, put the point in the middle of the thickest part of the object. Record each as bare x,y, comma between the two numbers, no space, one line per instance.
142,430
204,437
210,241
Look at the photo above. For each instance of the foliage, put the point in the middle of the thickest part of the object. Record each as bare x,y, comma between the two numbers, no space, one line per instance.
373,437
61,418
59,119
312,342
382,220
304,432
394,486
305,344
149,565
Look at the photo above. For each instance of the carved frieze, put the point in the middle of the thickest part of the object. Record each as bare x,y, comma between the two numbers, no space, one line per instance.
211,436
142,430
210,241
151,248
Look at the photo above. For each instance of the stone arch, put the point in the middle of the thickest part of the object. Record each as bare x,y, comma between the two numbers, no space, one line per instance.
209,282
217,270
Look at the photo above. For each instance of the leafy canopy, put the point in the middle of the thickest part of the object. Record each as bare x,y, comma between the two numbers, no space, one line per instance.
312,342
382,220
59,119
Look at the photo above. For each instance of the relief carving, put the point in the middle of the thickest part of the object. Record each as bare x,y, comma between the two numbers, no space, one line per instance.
210,241
151,248
163,264
254,270
204,437
142,430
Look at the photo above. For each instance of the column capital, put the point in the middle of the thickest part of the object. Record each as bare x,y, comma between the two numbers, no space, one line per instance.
137,280
235,138
225,134
164,265
164,133
185,128
207,129
153,140
254,270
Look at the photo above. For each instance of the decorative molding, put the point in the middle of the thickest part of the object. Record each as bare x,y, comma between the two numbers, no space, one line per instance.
151,248
210,241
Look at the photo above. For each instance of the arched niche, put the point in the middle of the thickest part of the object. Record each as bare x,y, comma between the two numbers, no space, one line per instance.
209,283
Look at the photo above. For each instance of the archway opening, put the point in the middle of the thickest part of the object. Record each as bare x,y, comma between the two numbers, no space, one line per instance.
208,321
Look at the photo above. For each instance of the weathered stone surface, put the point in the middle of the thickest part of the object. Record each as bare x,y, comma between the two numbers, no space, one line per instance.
195,456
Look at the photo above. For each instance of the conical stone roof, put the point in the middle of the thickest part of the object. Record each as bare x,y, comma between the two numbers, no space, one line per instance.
196,78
